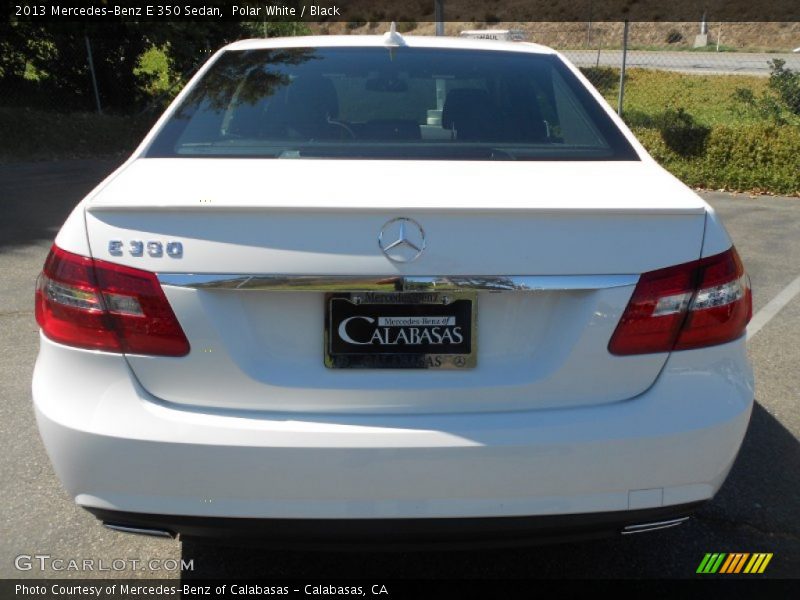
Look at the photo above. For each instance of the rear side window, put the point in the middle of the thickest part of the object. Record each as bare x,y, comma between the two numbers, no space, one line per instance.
394,103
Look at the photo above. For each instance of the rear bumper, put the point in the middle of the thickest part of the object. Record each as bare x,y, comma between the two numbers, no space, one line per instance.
115,448
398,533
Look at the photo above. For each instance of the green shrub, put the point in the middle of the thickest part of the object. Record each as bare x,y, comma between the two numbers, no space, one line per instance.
765,107
681,132
786,83
751,157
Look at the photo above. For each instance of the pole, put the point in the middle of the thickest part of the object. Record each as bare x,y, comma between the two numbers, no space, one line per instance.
622,70
589,27
94,77
438,16
441,85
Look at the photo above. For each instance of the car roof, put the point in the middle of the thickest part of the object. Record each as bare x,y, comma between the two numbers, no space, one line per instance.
378,41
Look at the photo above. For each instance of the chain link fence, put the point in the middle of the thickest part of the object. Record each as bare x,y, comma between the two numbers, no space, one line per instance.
716,115
663,56
715,104
685,66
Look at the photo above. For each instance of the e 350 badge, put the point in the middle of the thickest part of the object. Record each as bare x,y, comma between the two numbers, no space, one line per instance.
154,248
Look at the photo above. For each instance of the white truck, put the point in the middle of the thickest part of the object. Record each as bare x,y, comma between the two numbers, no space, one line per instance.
502,35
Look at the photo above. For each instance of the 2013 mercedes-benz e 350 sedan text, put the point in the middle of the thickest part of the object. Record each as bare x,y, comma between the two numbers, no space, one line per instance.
398,288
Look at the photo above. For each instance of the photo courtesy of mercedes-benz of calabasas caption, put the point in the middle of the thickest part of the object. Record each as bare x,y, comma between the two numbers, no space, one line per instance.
391,289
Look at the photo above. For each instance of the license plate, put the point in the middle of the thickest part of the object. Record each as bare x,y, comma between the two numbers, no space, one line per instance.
400,330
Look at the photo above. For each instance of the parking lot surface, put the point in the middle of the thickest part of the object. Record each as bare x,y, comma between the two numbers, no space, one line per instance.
756,510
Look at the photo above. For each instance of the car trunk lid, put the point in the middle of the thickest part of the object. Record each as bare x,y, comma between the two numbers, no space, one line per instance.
571,237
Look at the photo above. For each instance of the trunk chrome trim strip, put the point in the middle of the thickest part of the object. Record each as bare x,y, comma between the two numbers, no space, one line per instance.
400,283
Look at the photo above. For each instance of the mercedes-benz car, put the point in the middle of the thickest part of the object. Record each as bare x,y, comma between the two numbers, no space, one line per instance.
397,289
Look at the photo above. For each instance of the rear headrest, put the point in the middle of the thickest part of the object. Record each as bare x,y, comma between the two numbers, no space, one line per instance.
314,97
469,112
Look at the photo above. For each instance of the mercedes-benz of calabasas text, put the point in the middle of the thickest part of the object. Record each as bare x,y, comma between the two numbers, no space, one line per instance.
391,288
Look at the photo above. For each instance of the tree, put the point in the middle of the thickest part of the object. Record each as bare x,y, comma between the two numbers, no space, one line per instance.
57,53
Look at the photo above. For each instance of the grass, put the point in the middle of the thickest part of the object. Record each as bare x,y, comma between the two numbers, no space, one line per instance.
708,98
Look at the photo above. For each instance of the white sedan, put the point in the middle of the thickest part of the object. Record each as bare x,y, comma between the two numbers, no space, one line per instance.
394,288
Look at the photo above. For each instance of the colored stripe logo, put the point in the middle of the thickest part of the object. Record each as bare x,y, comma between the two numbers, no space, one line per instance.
734,563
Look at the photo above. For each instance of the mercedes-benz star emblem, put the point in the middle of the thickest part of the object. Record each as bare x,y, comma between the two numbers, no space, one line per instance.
402,240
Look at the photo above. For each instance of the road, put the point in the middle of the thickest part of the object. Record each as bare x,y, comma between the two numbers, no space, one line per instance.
756,510
698,63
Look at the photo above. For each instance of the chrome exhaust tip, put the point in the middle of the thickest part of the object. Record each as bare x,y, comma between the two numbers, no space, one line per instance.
162,533
654,526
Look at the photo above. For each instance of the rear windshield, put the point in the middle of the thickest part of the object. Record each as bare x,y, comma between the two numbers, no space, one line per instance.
393,103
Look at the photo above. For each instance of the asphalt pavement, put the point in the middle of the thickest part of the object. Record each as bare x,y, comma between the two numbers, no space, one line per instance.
756,510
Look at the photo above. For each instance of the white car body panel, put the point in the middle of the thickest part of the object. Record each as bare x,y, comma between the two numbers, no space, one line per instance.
716,239
114,446
537,350
548,423
218,184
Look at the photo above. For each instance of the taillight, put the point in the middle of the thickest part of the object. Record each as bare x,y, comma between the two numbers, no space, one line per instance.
695,304
95,304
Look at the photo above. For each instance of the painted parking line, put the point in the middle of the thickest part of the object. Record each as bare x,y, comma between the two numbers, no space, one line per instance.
773,307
